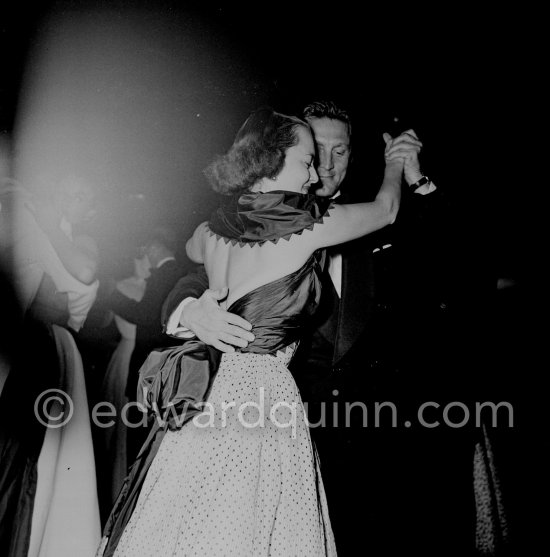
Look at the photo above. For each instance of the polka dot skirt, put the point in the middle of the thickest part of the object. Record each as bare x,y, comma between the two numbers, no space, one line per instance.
240,479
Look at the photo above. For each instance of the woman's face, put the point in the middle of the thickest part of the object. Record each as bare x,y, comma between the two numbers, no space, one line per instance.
298,172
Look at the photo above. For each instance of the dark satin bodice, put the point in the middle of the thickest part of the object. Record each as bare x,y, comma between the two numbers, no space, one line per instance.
278,310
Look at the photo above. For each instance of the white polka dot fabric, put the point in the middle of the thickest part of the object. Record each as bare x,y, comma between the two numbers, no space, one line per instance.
241,479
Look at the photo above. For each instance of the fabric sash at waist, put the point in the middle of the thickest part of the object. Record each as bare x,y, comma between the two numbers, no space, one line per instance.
173,384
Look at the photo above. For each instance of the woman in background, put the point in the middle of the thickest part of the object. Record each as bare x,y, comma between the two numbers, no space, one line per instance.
113,388
48,481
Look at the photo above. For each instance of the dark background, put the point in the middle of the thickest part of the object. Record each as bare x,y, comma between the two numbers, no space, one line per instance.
170,83
155,89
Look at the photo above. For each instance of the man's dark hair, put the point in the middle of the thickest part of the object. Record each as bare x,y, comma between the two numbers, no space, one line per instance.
163,236
327,109
258,151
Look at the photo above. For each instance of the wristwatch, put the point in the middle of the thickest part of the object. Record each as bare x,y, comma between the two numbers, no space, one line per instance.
419,183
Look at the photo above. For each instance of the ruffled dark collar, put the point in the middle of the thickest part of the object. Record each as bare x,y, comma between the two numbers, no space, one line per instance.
256,217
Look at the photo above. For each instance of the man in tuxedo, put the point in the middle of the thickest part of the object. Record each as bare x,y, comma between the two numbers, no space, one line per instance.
351,354
165,271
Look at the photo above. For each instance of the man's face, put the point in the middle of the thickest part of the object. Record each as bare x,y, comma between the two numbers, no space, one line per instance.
333,151
76,202
153,254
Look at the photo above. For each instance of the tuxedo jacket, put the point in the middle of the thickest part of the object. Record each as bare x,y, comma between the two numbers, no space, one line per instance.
391,289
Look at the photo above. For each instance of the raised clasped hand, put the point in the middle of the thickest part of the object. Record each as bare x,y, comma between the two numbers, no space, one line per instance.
405,147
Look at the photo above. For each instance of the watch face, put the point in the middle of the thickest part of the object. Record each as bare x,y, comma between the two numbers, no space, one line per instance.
422,181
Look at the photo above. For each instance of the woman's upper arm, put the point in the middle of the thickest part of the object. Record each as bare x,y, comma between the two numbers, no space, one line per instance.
344,223
195,244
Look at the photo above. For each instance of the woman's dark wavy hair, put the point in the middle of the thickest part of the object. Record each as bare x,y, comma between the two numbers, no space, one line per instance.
258,151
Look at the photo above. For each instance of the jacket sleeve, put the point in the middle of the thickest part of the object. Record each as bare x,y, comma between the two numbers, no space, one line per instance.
129,309
191,285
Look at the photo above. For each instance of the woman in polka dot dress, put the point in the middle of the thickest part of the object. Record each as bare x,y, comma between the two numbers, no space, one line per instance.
242,477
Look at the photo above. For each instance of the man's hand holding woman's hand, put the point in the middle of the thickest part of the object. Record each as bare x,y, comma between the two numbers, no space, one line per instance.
215,326
404,147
